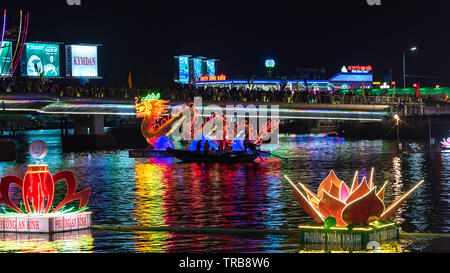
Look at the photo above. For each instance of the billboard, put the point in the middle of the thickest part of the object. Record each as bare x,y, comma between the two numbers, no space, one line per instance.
198,68
5,57
41,58
81,61
183,63
211,67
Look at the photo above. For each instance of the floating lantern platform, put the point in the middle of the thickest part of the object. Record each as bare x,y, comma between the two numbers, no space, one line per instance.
348,216
355,238
51,223
36,213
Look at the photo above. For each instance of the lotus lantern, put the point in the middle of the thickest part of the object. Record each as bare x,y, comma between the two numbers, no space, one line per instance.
362,203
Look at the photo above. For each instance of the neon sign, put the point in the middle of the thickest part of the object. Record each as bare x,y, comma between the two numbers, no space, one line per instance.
213,78
359,69
151,97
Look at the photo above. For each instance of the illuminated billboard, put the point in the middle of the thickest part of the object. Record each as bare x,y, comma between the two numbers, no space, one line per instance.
81,61
211,67
183,63
41,58
198,68
5,57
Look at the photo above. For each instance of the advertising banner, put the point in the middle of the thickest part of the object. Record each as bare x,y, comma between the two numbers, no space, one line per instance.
5,57
183,63
211,67
198,69
84,61
41,58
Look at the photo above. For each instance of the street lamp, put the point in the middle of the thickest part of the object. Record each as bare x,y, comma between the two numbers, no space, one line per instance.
397,119
411,49
270,64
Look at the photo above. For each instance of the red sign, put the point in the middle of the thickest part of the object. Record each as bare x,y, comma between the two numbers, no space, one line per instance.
355,68
213,78
83,60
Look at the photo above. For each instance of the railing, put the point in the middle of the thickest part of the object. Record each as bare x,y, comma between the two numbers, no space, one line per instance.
405,106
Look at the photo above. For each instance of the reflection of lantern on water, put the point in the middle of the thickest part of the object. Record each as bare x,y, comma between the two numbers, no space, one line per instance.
70,242
150,207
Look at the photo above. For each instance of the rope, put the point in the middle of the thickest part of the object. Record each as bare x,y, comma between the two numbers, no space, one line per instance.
199,230
205,230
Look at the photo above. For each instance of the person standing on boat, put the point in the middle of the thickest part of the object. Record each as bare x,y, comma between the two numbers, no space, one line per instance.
206,147
246,143
227,147
199,146
221,146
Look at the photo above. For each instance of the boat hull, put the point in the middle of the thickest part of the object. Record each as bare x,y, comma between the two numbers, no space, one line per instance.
148,154
200,157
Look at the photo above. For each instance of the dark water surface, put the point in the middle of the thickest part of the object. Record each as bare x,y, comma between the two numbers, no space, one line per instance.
165,192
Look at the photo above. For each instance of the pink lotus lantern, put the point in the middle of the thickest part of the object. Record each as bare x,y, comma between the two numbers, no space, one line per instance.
361,204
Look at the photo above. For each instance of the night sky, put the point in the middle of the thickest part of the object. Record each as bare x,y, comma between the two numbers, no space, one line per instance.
145,35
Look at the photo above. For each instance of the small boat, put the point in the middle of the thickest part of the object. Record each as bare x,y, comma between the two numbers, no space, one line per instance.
213,157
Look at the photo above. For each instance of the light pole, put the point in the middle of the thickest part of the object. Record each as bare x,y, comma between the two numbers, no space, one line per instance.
397,119
412,49
270,64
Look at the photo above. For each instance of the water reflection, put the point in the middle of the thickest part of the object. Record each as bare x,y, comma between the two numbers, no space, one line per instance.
69,242
149,206
166,192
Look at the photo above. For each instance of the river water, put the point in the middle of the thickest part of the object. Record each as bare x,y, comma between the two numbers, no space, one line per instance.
166,192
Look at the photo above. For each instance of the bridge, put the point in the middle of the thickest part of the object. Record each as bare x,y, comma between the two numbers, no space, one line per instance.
88,113
99,106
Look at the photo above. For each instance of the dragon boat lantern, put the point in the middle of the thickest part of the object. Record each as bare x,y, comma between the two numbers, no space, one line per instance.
156,122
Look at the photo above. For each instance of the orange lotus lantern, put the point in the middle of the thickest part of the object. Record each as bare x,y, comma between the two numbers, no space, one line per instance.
361,204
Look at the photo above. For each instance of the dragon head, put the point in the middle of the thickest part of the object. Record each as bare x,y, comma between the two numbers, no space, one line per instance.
151,106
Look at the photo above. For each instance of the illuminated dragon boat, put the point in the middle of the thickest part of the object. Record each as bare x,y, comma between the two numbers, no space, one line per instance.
36,214
355,214
157,126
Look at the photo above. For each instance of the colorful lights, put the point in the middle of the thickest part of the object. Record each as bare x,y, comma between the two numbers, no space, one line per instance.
361,204
270,63
3,30
35,214
207,78
152,110
27,20
38,187
446,143
151,97
359,69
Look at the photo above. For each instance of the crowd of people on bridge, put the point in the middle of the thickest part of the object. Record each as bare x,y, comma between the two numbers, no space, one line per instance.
36,86
51,88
